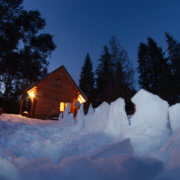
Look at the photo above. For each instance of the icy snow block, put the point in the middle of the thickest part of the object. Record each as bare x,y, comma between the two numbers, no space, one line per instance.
148,129
90,110
66,118
174,116
99,119
89,117
80,118
117,121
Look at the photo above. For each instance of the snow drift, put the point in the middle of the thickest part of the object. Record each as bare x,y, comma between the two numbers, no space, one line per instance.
45,150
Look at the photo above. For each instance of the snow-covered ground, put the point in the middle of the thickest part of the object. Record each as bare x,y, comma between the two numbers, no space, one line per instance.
101,145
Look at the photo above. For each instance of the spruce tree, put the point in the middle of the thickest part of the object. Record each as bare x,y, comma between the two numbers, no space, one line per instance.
114,74
121,61
104,73
174,63
86,81
153,69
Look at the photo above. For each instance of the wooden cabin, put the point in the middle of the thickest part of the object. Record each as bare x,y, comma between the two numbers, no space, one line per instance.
49,97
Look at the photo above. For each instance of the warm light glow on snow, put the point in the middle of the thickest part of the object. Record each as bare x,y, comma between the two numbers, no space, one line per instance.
81,99
62,106
32,93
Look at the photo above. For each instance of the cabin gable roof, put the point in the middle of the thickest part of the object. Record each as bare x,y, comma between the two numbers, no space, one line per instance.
68,76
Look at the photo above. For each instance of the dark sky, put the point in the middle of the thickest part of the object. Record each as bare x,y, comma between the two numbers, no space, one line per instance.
81,26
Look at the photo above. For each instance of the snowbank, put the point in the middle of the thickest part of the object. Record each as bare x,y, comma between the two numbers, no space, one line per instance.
101,145
8,170
148,130
169,154
174,116
127,167
46,150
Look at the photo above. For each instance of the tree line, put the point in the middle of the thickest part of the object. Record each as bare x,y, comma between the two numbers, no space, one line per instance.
113,77
158,71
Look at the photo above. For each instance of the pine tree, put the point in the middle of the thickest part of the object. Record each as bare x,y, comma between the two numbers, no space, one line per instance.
153,69
120,58
104,73
114,74
174,63
123,72
86,82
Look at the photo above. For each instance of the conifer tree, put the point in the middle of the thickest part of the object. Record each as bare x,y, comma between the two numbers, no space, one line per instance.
114,74
153,69
86,81
123,71
174,63
23,49
104,73
119,56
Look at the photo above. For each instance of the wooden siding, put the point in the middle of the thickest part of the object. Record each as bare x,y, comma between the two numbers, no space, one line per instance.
50,94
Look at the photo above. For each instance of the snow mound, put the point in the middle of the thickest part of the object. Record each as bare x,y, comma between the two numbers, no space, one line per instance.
148,129
53,151
174,116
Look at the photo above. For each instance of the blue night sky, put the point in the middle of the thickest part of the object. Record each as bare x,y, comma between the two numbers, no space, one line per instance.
81,26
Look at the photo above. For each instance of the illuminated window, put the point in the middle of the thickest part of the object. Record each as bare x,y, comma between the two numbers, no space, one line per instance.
81,99
62,106
58,83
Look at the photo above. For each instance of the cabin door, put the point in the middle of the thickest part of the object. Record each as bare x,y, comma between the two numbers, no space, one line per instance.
26,106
